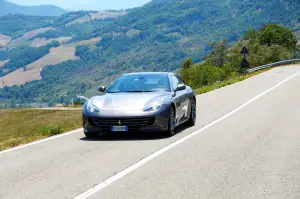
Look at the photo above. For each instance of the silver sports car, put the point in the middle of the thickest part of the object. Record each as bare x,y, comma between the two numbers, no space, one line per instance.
140,102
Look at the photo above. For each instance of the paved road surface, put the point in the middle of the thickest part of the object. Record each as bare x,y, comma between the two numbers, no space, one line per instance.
253,152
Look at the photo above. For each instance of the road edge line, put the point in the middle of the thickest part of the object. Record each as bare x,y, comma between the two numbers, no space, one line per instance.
40,141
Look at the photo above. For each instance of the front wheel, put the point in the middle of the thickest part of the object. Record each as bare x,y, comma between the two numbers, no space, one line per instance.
171,123
193,114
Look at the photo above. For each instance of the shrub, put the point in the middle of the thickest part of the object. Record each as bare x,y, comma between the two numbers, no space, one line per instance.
272,43
51,130
203,74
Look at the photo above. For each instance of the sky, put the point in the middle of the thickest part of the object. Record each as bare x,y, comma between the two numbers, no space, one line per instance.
85,4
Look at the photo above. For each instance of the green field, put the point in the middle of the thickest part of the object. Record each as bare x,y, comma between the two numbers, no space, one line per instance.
20,126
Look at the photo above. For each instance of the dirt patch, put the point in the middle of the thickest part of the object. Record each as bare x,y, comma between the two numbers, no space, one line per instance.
101,15
33,70
133,32
105,15
2,63
42,41
63,39
28,35
92,41
80,20
4,40
39,42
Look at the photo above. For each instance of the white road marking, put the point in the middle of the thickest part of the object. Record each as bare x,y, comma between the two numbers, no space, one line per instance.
167,148
39,141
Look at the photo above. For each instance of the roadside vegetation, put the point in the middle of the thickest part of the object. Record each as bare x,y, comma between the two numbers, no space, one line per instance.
20,126
222,66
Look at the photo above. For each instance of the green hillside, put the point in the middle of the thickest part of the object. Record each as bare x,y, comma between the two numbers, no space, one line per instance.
7,7
155,37
16,25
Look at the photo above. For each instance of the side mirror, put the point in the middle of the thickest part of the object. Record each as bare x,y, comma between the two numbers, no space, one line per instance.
102,89
180,87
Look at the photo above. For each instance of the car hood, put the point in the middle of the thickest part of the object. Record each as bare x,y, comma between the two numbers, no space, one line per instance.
125,101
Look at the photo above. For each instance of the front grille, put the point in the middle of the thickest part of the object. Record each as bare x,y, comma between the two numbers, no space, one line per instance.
133,123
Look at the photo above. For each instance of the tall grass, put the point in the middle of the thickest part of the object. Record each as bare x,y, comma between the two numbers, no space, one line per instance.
20,126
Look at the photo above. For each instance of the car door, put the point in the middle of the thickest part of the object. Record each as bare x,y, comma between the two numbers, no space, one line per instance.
185,99
180,99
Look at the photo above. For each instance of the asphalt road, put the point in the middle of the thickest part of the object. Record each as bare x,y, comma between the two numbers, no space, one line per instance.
251,152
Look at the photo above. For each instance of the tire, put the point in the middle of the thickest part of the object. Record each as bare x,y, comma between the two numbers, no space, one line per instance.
90,135
193,113
171,123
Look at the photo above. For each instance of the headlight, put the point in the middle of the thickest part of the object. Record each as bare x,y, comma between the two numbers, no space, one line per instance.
155,106
92,108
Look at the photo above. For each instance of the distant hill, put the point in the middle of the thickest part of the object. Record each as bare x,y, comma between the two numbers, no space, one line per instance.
7,7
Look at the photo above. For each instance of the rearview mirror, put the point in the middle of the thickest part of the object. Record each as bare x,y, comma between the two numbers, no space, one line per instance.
180,87
102,89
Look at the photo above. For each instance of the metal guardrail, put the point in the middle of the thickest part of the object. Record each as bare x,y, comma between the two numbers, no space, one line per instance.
251,70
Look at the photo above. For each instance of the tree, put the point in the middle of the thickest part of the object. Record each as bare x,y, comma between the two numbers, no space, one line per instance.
251,33
276,34
219,55
270,44
184,71
187,63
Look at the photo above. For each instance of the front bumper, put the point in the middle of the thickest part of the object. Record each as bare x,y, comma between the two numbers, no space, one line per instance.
135,120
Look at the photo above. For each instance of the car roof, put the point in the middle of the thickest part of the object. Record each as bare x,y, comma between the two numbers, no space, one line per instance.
149,73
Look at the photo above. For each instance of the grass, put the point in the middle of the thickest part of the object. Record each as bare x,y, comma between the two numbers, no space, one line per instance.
21,126
227,82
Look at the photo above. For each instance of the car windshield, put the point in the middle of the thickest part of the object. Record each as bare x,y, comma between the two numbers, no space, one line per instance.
140,83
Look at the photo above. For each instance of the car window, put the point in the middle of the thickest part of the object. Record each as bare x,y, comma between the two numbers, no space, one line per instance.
180,80
175,81
142,82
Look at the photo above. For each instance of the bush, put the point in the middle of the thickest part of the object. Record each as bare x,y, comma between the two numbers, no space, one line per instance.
203,74
276,34
265,46
51,130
